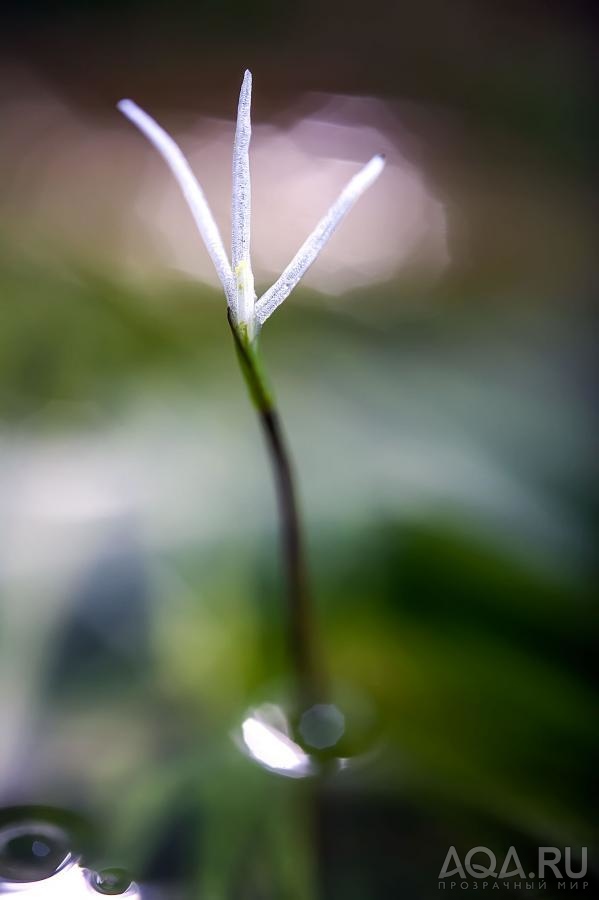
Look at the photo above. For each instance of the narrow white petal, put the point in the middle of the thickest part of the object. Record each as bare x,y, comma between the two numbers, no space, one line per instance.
241,175
241,206
310,249
190,187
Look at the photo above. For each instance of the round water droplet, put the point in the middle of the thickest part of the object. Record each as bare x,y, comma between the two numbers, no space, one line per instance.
324,739
322,725
111,881
32,851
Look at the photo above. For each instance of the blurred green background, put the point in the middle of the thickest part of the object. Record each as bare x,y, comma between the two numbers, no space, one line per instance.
442,424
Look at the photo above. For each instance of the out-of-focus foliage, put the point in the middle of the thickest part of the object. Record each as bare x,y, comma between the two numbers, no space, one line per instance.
443,437
456,605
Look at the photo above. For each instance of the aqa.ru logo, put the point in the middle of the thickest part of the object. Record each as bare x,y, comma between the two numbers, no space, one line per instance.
481,863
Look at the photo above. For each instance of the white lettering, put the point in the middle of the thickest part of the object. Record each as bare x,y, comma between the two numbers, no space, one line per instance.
512,856
452,855
475,869
552,864
568,863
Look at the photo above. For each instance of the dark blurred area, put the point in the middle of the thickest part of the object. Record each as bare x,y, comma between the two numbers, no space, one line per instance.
435,377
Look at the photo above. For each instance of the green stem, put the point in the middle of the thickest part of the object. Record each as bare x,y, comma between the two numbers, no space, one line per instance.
300,625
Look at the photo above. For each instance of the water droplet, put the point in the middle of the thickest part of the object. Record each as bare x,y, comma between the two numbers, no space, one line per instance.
112,881
32,850
324,739
40,853
322,725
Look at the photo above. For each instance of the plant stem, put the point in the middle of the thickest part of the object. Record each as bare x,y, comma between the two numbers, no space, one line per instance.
300,626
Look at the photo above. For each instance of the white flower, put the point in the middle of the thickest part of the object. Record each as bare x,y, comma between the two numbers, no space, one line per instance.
236,277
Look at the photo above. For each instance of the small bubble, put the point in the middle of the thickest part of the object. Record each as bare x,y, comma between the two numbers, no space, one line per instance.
111,881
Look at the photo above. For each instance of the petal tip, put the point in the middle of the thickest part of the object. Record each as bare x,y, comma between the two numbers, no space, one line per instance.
374,168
